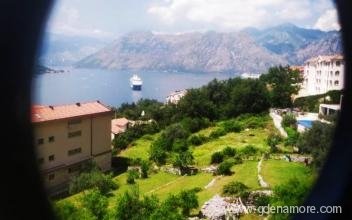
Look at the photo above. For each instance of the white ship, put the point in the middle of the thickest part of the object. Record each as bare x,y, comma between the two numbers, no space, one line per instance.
136,82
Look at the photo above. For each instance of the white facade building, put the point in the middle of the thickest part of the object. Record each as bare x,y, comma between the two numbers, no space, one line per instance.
175,96
322,74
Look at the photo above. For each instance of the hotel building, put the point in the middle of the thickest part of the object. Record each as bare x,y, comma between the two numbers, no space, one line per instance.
322,74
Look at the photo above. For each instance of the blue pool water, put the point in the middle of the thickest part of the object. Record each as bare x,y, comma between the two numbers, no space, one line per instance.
305,123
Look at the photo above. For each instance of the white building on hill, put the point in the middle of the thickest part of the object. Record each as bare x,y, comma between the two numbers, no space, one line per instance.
322,74
175,96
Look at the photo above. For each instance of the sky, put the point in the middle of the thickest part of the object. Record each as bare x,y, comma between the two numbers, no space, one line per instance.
111,18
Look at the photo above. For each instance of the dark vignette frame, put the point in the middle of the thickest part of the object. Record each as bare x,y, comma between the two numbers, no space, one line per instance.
22,194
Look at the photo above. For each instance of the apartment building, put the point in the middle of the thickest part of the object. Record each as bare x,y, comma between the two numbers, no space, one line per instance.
69,136
322,74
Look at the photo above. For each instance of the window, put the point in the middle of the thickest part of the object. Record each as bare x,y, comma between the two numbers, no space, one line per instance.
337,73
330,82
40,161
40,141
51,176
336,82
74,121
51,139
74,168
74,151
52,157
331,73
338,63
74,134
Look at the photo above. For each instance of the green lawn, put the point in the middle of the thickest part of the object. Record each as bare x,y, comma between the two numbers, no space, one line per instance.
256,137
276,172
245,173
140,147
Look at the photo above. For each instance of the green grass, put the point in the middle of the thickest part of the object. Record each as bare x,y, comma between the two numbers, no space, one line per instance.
276,172
162,184
139,148
203,152
245,173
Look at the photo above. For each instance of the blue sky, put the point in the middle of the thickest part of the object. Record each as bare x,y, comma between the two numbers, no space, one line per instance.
111,18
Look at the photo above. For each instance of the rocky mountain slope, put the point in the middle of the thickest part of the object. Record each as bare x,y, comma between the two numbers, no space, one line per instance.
250,50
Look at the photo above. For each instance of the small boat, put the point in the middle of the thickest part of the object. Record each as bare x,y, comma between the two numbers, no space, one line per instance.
136,82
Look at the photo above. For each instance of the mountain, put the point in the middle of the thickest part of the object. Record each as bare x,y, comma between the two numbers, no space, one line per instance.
194,52
328,45
296,44
249,50
61,50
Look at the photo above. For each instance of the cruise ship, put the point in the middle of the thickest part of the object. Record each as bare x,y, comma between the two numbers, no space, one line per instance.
136,82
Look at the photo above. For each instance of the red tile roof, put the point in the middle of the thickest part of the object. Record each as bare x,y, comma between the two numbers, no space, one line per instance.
118,125
50,113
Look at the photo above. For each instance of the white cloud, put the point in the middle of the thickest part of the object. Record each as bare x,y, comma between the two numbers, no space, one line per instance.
67,21
234,14
328,21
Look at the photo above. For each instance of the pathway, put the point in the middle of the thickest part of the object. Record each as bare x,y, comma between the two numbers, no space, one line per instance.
277,122
162,186
262,183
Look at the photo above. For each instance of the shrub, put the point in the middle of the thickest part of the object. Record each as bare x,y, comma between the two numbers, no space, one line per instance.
157,152
235,188
94,179
289,120
273,140
252,121
292,136
261,200
195,124
249,150
131,176
197,140
232,126
66,210
225,167
217,133
229,151
237,160
144,169
217,157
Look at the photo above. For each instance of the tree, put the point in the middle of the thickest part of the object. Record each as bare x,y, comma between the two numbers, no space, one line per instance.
291,193
248,96
195,104
66,210
129,206
183,159
188,201
144,169
96,203
93,179
273,140
317,141
283,82
157,153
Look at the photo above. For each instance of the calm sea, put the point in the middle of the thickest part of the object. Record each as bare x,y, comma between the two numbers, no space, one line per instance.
113,87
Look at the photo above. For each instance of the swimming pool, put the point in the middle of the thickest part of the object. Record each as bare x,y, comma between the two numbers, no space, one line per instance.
305,123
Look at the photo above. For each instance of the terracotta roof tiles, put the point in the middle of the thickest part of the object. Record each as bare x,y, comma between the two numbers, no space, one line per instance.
50,113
